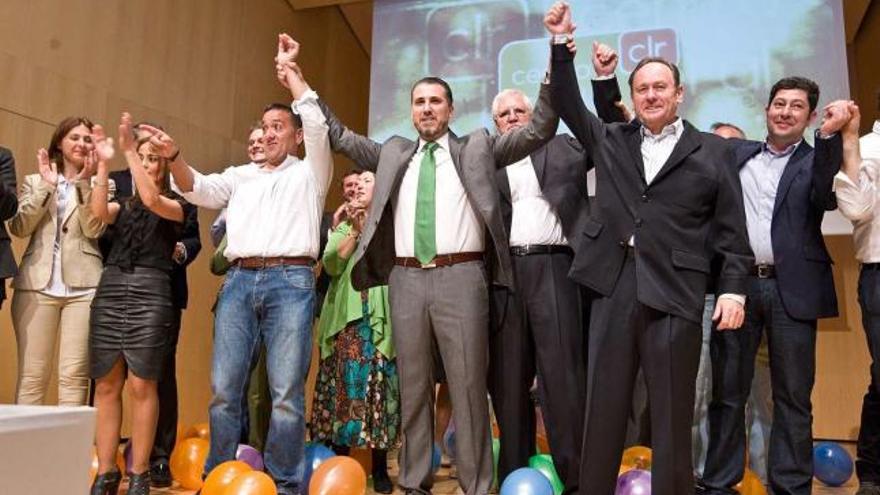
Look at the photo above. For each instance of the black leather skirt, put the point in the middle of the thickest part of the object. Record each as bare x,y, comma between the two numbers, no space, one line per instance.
132,316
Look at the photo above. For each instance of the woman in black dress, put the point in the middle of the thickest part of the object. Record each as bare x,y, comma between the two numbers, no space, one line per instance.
132,313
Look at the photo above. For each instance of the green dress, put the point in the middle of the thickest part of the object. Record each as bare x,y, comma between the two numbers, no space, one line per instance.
357,394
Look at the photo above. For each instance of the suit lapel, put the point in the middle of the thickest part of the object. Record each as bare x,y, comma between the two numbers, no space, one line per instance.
539,162
687,144
504,184
455,153
795,164
634,145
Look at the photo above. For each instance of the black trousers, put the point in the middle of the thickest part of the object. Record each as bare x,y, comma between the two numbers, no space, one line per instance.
868,450
538,330
625,334
166,428
792,347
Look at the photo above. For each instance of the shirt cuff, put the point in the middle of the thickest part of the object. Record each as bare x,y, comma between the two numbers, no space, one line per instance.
181,258
308,96
842,179
560,39
741,299
604,78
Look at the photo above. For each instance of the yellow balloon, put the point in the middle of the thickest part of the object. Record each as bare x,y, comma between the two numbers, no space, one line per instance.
188,462
750,484
198,430
223,475
638,457
252,483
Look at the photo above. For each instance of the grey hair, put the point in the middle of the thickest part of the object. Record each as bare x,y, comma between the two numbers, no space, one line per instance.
505,92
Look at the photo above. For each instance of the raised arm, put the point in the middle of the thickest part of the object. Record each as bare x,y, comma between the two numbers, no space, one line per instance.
606,90
99,205
828,154
150,194
856,184
517,144
8,198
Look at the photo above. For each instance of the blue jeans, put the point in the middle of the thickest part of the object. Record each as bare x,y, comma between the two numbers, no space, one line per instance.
275,307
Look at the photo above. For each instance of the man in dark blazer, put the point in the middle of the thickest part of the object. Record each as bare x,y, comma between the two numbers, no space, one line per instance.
8,208
661,185
787,187
188,247
433,220
537,325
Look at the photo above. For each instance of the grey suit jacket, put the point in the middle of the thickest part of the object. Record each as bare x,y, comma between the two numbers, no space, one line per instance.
476,157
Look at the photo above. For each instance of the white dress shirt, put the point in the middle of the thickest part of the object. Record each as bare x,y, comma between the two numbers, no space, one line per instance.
274,212
64,199
534,219
458,228
859,201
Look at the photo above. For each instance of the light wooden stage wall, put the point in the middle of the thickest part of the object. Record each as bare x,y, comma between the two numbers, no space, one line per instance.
203,69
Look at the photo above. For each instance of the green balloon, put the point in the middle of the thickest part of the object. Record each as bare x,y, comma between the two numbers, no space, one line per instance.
496,449
544,464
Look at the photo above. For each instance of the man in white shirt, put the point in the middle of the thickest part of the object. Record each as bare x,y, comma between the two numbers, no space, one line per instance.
537,326
433,221
856,186
273,217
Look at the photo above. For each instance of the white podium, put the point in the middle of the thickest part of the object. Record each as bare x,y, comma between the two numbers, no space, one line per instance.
45,450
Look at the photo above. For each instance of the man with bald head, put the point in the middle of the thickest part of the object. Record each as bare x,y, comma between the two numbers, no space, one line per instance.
661,188
537,325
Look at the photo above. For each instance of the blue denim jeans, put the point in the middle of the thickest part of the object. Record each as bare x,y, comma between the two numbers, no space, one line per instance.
275,307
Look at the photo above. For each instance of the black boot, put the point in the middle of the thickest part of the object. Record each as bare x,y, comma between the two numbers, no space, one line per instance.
139,484
107,483
381,481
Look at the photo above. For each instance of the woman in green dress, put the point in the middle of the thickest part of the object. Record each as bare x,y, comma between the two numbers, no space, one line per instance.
357,399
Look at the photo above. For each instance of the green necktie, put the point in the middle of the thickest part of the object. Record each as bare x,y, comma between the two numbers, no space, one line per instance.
426,240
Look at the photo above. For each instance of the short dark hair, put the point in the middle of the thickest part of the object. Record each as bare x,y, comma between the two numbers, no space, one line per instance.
350,172
61,131
797,82
676,74
433,80
718,125
297,121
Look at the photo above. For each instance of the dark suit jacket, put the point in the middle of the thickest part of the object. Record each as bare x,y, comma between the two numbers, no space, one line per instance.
189,236
475,156
802,263
561,167
670,217
8,208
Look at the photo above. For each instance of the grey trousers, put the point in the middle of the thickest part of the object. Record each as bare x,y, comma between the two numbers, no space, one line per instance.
443,310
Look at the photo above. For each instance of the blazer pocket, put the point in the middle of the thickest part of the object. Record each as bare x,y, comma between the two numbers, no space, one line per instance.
817,253
89,248
592,228
689,261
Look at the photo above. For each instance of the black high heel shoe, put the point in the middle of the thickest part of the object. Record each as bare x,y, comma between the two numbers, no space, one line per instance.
139,484
107,483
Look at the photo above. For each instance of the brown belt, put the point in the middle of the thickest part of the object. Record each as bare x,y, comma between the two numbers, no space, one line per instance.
259,263
440,260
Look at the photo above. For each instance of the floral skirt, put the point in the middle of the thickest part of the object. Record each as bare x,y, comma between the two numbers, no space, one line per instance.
357,393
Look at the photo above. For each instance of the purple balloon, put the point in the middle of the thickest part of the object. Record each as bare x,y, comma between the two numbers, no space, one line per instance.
634,482
250,456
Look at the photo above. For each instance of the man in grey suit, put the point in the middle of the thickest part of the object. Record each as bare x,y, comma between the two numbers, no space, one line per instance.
434,221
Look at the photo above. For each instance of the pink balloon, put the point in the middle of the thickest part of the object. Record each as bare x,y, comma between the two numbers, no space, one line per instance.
634,482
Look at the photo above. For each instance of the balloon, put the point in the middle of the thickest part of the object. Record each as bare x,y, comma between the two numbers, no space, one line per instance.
634,482
338,475
315,454
624,468
541,444
198,430
93,469
249,455
750,484
638,457
436,456
526,481
222,476
496,450
832,464
449,440
188,462
544,464
251,483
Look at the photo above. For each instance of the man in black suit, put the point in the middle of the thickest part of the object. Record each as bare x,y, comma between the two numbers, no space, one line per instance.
8,208
188,247
537,325
661,185
787,187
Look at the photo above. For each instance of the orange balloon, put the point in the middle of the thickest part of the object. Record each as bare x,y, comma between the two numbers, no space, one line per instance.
638,457
223,475
93,469
188,462
624,468
338,475
750,484
252,483
542,444
198,430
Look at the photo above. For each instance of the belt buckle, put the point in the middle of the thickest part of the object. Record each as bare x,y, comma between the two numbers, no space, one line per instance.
764,271
426,266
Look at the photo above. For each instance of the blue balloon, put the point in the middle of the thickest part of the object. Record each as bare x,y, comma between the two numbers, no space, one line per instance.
436,454
832,464
449,441
526,481
315,454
